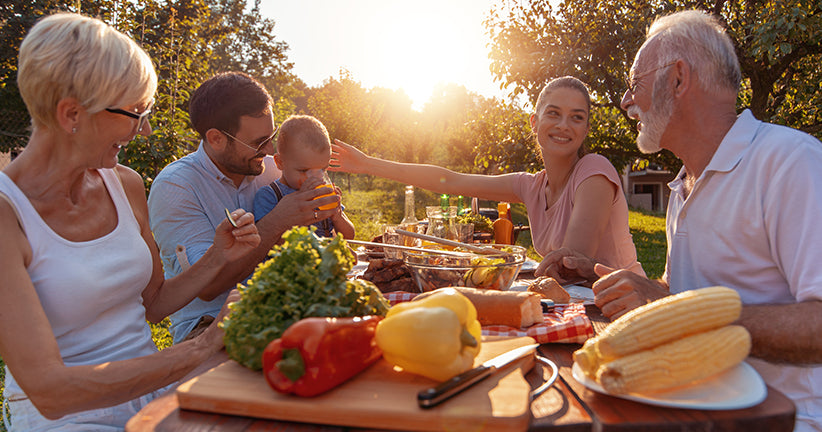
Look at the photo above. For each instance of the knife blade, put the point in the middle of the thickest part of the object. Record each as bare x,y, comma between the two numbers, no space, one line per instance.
435,395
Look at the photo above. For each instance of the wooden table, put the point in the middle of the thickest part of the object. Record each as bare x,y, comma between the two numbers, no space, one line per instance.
567,407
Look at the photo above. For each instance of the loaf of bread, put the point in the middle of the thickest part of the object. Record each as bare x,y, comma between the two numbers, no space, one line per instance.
549,288
510,308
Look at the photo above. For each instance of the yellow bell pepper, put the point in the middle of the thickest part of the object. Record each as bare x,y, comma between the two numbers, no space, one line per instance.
437,337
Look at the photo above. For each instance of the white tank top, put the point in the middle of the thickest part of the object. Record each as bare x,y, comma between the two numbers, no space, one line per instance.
90,290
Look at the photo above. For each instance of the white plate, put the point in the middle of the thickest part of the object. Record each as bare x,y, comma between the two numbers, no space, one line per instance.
529,266
579,294
740,387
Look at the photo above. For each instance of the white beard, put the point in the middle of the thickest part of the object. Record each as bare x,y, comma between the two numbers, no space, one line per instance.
655,121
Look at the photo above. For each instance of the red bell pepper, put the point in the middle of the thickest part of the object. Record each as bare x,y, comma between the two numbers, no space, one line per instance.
315,355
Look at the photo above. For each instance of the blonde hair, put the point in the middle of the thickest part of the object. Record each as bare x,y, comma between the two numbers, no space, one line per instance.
700,39
304,130
68,55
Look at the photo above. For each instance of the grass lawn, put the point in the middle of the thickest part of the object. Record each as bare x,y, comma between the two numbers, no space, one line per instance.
648,230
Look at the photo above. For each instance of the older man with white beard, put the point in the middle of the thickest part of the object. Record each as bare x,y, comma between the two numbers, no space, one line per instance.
744,210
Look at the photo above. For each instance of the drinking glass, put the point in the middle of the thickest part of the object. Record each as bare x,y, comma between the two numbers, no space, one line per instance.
326,183
392,237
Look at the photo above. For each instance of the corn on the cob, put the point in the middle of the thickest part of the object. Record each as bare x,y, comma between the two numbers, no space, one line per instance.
677,363
669,318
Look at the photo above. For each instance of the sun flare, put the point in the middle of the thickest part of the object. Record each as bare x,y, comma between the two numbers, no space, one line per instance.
412,46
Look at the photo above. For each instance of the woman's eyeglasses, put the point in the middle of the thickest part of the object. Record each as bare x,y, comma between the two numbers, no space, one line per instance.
260,146
142,118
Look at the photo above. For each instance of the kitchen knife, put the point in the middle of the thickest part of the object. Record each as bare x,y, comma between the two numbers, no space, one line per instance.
433,396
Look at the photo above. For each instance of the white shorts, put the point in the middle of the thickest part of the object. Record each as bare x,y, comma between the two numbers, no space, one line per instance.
23,416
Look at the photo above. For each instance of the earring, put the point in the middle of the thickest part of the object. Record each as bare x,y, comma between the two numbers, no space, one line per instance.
74,130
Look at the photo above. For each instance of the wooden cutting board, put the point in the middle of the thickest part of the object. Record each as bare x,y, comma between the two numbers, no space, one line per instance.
379,397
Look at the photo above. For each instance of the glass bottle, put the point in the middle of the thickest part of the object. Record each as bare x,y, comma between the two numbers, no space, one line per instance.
503,227
410,216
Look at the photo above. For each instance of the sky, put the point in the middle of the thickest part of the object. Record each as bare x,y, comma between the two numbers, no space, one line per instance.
397,44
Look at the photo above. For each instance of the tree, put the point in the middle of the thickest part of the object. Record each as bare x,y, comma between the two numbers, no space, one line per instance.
16,18
379,121
778,44
495,134
168,35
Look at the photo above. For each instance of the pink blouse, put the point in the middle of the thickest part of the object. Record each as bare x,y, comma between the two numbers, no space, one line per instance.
548,226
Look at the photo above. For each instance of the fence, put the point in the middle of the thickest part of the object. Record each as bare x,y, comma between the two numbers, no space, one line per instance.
14,130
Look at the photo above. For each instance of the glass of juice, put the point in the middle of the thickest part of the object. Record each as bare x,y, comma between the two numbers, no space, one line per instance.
327,184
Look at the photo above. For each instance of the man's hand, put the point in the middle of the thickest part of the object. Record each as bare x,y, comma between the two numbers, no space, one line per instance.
619,291
301,207
234,243
566,265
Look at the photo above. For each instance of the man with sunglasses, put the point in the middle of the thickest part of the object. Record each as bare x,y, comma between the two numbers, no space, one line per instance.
232,114
743,212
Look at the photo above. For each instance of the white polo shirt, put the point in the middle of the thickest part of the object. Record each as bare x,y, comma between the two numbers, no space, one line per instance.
753,222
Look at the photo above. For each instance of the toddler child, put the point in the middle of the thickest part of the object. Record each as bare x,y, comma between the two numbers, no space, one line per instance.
303,152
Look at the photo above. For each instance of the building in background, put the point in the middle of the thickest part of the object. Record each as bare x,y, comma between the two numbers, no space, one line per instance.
647,188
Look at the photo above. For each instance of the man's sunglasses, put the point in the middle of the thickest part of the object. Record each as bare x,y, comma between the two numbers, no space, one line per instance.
258,147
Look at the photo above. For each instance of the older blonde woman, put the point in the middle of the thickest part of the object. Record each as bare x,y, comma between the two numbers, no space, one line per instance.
81,271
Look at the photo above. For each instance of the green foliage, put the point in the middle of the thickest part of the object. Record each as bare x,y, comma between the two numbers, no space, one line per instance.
648,231
304,277
159,333
481,223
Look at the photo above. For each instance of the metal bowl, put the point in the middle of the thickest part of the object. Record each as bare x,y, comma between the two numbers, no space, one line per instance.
496,271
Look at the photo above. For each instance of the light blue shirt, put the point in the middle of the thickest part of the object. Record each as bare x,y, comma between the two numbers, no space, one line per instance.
186,203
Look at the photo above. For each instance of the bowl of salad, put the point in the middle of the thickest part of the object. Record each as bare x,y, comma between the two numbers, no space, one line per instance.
432,270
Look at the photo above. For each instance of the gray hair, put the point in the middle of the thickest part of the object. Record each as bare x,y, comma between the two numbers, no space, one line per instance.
700,39
69,55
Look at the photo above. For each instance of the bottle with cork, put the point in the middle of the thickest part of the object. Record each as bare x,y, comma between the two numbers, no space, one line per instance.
409,221
410,216
503,226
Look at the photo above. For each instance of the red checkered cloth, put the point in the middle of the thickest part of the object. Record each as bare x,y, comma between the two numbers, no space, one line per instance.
564,324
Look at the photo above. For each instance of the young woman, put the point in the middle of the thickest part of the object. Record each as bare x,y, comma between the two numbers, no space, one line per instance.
576,202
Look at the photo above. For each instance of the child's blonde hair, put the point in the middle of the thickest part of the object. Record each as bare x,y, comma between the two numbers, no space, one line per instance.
304,129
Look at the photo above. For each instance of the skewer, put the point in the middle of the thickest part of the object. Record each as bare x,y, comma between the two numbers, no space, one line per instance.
408,248
472,248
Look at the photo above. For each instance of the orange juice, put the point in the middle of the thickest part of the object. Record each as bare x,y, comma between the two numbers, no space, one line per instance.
327,206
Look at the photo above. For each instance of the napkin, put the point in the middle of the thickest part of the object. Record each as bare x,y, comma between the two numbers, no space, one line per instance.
563,324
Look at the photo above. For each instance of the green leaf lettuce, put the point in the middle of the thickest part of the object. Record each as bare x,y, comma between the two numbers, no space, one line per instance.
303,277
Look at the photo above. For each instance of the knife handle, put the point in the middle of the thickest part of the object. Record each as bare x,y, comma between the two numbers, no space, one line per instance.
433,396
